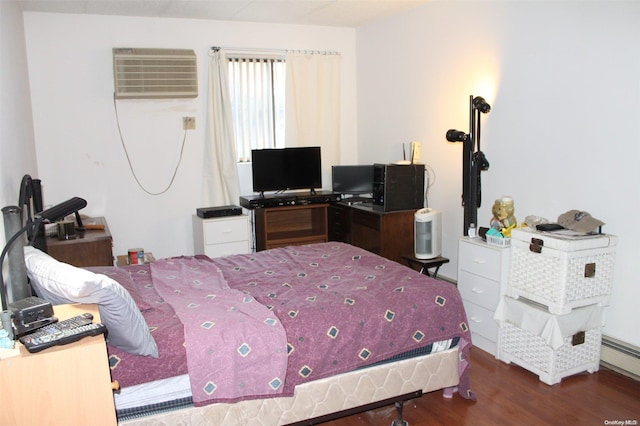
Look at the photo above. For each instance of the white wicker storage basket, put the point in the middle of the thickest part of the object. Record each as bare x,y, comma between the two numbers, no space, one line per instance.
561,279
532,353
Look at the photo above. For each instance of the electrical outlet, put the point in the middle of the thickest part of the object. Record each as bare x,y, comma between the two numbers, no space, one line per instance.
188,123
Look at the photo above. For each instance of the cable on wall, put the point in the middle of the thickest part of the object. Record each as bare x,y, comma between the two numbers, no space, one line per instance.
429,181
126,153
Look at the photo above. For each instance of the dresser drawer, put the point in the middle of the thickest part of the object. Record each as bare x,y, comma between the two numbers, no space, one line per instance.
480,290
481,321
219,250
366,219
480,260
226,230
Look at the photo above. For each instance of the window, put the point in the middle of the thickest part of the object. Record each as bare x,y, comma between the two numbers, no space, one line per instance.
257,87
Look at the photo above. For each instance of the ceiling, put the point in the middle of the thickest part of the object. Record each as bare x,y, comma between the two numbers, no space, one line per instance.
340,13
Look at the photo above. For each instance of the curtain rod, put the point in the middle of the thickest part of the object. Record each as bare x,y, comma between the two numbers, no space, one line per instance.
273,51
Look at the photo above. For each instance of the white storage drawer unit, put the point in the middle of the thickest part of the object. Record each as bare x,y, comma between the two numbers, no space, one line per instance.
551,346
561,273
221,236
482,280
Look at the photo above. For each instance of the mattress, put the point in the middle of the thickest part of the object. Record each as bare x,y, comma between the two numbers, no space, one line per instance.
158,395
324,396
175,392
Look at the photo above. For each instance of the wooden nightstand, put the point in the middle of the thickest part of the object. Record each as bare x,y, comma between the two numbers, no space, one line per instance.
94,247
221,236
65,385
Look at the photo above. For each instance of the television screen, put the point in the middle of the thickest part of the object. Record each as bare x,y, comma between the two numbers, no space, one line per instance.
352,179
286,168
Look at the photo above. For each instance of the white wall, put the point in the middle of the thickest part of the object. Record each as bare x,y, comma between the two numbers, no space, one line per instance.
78,144
563,80
17,148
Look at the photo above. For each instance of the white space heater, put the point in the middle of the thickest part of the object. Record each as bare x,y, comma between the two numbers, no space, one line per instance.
427,234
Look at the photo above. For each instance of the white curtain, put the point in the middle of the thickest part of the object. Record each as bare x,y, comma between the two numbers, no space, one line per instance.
257,91
221,183
313,104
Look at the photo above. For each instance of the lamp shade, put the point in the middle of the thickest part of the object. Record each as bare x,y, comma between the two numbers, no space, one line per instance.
454,135
481,105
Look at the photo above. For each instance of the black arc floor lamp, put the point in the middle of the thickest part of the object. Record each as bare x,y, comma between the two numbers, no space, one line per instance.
473,160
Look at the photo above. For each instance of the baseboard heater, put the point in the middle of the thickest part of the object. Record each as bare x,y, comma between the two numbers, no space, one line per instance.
621,357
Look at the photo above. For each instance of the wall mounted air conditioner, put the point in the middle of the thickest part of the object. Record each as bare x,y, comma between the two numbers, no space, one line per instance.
154,73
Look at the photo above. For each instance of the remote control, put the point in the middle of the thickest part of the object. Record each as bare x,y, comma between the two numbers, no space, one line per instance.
62,333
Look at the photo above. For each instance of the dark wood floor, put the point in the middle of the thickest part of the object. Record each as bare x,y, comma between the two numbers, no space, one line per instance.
510,395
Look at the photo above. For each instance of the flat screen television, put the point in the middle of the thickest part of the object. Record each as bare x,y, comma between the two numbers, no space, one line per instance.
352,180
286,168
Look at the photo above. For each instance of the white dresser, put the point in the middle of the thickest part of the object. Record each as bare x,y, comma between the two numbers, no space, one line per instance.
482,280
221,236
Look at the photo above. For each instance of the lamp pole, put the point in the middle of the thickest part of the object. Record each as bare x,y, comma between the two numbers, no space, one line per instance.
473,162
469,196
15,288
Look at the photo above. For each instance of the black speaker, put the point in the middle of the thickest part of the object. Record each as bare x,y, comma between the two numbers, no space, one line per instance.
398,187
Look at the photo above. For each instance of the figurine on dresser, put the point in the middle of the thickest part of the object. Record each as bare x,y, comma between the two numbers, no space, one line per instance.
503,219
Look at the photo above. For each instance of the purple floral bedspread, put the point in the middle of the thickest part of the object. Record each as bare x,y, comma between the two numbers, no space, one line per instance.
236,347
341,307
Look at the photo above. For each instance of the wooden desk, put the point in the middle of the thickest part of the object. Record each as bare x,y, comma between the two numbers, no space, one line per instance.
89,248
389,234
62,385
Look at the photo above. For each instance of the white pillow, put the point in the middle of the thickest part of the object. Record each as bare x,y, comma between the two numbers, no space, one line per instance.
62,283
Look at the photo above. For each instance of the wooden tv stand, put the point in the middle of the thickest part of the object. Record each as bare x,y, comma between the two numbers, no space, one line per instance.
389,234
290,225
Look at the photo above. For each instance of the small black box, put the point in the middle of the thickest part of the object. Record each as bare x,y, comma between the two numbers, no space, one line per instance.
30,309
220,211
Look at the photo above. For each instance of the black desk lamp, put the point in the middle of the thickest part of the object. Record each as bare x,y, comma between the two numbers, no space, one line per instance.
52,214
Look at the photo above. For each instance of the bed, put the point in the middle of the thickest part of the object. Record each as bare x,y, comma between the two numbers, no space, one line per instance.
283,336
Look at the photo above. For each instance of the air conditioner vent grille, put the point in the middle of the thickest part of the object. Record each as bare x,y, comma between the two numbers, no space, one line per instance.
155,73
